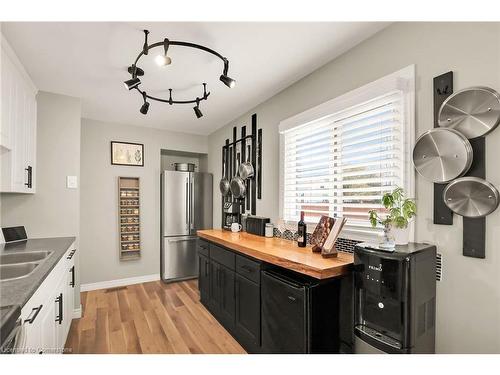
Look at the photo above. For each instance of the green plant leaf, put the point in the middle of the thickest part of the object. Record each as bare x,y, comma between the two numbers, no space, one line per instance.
395,212
388,200
373,218
409,209
400,222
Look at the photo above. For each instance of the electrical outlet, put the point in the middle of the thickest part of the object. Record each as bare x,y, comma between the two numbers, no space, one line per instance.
71,182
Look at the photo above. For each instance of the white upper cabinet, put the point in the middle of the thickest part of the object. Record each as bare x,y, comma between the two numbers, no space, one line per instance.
17,125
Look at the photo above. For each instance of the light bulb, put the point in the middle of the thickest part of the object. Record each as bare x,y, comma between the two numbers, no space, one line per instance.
162,60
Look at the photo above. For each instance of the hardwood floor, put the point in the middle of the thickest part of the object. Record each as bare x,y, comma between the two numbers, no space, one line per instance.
151,317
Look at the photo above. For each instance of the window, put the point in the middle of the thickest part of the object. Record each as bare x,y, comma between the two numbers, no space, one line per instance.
338,159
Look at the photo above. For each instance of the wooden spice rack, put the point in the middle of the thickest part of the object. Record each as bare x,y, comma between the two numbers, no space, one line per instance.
129,218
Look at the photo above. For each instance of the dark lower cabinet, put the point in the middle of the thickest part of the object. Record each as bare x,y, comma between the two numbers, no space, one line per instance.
221,300
227,296
247,318
269,309
204,279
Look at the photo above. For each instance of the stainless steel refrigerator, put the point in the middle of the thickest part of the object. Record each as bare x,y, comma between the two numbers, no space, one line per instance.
186,206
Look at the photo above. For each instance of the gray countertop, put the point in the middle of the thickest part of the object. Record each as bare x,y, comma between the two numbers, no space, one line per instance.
15,293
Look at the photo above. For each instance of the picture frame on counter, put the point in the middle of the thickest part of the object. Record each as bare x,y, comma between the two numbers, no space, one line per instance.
127,153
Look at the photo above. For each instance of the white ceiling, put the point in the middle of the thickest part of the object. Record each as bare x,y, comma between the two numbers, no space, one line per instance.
89,61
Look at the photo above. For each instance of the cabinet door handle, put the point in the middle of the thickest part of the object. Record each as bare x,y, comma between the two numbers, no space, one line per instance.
72,282
29,184
206,268
34,313
59,300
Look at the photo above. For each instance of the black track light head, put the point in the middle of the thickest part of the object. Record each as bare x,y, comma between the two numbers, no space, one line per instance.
228,81
197,109
132,83
145,107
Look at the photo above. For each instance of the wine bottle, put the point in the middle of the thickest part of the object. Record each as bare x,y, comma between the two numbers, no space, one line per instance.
301,230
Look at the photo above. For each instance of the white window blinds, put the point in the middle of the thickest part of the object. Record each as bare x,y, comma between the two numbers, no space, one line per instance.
342,164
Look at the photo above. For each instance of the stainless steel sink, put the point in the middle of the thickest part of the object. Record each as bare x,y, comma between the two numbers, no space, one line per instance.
24,257
16,271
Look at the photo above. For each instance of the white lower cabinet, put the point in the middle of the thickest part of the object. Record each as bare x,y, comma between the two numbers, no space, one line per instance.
47,315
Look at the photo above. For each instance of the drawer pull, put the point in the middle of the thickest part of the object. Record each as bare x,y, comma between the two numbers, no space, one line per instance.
59,301
247,268
34,313
72,282
293,299
29,184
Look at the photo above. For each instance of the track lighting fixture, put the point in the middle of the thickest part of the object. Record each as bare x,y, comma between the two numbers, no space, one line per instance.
197,109
145,107
145,47
163,60
132,83
228,81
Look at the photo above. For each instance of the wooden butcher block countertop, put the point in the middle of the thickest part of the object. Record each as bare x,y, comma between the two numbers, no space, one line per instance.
282,253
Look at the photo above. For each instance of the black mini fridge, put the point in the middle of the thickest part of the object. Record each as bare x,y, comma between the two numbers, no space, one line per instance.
395,299
299,314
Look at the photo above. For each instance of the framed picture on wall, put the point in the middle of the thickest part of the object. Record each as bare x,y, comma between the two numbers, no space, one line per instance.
126,153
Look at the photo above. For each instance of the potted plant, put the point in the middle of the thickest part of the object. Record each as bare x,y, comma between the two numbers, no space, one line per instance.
400,210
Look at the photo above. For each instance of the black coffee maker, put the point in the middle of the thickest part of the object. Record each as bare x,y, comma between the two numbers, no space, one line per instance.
395,299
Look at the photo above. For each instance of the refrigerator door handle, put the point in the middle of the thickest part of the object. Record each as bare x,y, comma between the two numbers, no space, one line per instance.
187,204
183,239
191,195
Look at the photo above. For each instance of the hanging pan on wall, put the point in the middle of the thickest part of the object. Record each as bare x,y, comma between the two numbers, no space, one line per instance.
474,112
246,169
224,182
471,197
238,188
441,155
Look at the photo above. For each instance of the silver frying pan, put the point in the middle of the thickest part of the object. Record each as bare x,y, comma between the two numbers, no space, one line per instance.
246,169
471,197
238,188
224,182
441,155
474,112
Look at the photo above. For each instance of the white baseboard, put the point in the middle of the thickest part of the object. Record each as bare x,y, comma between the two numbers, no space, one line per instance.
77,313
119,282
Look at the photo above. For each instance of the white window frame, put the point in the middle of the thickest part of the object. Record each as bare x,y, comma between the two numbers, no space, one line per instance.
403,80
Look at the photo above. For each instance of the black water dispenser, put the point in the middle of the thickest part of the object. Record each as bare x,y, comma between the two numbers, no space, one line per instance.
395,299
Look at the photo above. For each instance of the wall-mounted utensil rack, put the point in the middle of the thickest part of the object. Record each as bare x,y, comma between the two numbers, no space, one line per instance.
235,152
129,218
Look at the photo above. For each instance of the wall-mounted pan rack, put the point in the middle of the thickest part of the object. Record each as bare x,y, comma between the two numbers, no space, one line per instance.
234,152
473,112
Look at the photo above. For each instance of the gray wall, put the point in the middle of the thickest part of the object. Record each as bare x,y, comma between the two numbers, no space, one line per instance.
99,200
468,302
54,211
